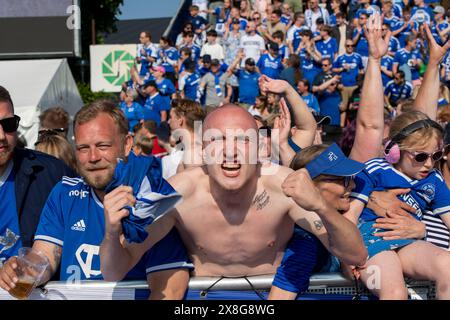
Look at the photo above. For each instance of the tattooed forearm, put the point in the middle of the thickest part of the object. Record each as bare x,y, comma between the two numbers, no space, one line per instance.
261,200
318,224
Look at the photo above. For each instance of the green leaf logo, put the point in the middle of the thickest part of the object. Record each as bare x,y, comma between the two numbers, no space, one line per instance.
116,67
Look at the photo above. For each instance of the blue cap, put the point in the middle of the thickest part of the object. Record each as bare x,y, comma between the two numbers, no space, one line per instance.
332,161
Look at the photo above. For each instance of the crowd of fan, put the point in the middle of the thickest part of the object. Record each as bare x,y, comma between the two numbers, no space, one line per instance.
321,51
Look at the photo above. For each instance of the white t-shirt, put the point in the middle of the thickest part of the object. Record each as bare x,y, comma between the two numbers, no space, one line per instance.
252,45
215,50
171,162
312,16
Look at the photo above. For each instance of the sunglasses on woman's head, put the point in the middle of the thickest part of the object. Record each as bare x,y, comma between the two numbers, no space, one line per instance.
421,156
10,125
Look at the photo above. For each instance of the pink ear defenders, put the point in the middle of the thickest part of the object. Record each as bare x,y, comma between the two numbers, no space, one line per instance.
392,149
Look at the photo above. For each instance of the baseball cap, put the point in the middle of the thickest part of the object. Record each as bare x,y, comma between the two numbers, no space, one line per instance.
235,21
250,61
206,58
322,120
159,68
332,161
151,83
273,46
439,9
215,62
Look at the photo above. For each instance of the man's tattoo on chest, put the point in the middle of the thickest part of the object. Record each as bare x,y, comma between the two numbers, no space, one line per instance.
261,200
318,224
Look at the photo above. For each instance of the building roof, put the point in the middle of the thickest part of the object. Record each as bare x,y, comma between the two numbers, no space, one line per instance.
128,30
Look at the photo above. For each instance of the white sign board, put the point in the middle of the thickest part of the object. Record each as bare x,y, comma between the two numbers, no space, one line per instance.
110,66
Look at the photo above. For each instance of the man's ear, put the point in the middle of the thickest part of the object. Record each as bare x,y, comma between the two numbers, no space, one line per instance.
128,144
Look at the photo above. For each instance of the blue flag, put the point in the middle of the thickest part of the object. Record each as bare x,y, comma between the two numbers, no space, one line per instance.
154,195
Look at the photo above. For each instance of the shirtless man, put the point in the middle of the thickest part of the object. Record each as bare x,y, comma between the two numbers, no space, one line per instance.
233,220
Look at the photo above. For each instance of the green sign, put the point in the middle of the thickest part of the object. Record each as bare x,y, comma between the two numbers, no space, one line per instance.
116,67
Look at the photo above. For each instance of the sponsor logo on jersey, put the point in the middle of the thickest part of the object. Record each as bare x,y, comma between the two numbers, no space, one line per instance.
79,226
79,194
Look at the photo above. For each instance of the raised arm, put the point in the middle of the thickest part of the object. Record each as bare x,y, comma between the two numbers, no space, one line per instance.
370,119
428,95
303,118
311,212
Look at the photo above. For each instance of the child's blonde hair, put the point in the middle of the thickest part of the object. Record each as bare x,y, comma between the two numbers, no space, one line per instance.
418,138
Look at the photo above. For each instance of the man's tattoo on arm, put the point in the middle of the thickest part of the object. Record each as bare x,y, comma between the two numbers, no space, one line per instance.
318,224
261,200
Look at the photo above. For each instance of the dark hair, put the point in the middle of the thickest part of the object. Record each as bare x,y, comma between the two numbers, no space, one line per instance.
5,96
278,35
306,83
147,34
401,73
341,15
188,34
277,12
189,65
211,33
327,29
306,33
294,62
186,50
166,40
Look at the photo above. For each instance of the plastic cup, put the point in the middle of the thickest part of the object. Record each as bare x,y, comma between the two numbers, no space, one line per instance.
31,265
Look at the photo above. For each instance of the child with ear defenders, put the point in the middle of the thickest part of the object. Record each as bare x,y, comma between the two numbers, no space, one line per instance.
415,144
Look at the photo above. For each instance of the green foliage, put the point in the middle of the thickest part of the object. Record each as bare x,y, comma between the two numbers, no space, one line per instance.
105,13
88,96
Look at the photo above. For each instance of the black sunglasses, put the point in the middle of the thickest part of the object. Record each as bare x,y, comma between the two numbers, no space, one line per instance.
344,181
10,125
423,156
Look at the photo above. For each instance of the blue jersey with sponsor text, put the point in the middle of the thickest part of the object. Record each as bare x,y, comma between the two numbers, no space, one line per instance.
73,218
248,86
327,48
270,66
354,63
428,194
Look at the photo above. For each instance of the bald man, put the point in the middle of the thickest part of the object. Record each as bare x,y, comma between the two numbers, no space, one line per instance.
236,219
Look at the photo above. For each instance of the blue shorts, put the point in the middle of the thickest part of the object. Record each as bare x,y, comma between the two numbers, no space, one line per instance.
168,253
376,244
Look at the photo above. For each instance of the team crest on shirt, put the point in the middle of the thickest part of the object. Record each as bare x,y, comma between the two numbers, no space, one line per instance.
8,240
428,190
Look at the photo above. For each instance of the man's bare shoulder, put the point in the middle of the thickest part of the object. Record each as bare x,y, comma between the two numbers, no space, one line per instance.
187,181
274,176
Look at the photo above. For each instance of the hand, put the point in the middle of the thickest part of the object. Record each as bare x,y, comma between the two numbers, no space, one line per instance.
299,186
401,225
114,205
386,202
378,46
8,274
267,84
283,122
437,52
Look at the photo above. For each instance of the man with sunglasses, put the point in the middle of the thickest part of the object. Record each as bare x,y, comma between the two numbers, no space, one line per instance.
26,179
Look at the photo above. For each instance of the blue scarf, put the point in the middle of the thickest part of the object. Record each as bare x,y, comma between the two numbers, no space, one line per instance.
217,82
154,195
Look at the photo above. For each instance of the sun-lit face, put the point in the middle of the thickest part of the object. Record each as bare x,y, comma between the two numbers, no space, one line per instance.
418,170
8,140
335,190
230,142
175,120
98,147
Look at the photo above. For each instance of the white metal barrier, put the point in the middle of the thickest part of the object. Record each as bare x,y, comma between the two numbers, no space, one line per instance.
325,283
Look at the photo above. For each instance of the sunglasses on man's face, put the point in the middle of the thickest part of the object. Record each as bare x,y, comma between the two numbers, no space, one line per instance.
344,181
421,156
10,125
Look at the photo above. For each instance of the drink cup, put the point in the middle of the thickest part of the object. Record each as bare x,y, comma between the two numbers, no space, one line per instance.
31,265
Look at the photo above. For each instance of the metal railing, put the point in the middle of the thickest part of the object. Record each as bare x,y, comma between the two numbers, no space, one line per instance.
320,284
